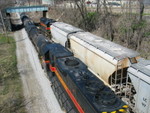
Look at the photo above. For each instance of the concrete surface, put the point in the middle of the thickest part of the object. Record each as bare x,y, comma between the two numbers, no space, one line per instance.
36,86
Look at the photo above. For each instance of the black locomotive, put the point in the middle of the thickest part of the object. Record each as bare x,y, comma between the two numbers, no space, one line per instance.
76,88
45,24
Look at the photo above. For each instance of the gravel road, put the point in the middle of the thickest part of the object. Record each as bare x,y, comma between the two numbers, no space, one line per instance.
36,86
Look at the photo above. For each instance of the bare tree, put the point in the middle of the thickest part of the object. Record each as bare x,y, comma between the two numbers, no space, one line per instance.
3,5
82,9
140,24
107,20
6,3
98,6
141,2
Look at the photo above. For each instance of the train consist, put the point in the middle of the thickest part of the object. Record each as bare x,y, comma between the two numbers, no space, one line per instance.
77,89
118,67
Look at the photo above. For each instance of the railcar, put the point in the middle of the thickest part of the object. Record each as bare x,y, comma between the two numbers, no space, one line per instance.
91,93
45,24
84,90
140,77
23,17
60,32
33,31
28,24
76,88
109,61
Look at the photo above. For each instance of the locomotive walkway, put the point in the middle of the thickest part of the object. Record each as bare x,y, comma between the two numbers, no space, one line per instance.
37,89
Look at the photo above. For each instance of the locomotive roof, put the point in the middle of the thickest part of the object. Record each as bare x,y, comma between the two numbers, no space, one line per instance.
66,27
115,50
46,20
142,66
101,97
59,51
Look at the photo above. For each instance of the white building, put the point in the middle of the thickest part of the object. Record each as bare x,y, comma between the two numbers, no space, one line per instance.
48,2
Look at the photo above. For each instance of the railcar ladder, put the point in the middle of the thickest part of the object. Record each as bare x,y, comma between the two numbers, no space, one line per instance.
117,81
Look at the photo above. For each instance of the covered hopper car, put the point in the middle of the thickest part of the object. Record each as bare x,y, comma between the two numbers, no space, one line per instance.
140,77
109,61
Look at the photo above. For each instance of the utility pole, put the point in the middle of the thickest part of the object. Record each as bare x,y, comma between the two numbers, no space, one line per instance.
4,27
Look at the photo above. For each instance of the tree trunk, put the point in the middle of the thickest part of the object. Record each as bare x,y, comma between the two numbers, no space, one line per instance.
111,30
98,6
141,10
139,38
82,10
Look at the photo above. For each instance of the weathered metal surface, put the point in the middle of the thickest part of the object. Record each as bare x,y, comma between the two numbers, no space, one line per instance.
115,50
60,31
101,56
97,63
103,64
140,77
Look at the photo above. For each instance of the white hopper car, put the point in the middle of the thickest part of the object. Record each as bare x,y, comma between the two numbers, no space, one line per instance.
140,77
107,59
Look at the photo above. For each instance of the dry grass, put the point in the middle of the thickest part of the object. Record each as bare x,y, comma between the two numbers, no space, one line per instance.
11,99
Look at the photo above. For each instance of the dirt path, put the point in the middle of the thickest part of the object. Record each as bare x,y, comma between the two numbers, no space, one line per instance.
37,89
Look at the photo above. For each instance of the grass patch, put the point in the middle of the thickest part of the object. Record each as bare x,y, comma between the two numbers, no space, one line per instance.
146,14
11,94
